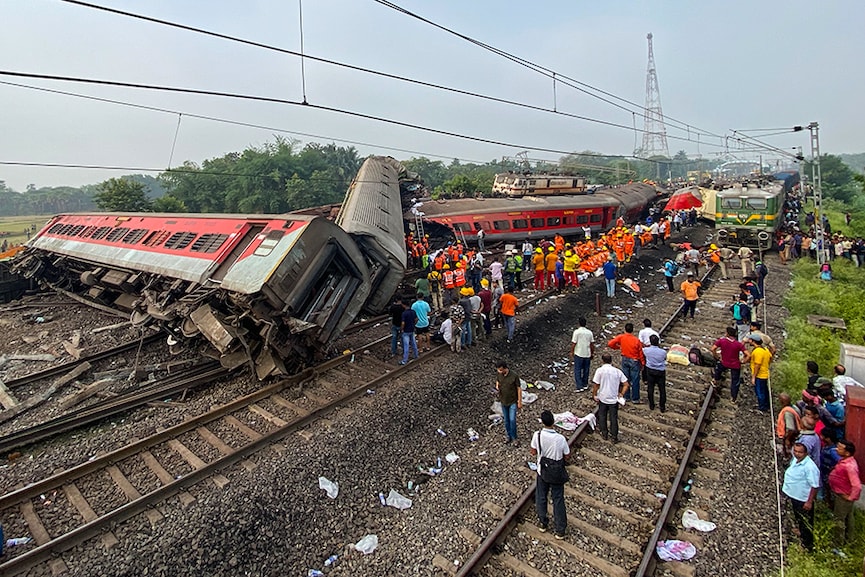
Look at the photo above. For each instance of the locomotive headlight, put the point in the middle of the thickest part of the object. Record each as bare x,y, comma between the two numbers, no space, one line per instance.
762,236
722,234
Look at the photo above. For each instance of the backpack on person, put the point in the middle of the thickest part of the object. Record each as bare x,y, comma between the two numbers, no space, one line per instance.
737,311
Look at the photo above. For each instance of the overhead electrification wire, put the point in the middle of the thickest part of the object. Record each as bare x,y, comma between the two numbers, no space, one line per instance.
577,84
234,122
284,101
365,70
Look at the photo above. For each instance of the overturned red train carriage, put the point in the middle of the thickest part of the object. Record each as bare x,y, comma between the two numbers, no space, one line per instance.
269,290
516,218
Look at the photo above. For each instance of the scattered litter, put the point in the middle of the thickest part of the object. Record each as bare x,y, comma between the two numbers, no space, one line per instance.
370,392
330,487
668,445
482,453
314,573
473,435
496,414
719,304
675,550
524,385
639,304
397,501
382,500
569,421
660,496
18,541
331,560
690,520
529,397
452,458
368,544
545,385
441,432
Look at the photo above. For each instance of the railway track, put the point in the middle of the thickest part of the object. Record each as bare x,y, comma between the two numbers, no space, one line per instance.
84,501
623,499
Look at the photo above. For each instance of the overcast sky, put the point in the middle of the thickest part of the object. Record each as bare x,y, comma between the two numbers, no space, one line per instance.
737,64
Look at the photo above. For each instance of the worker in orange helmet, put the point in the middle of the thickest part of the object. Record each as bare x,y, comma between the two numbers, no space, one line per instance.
551,260
538,264
448,284
629,246
619,248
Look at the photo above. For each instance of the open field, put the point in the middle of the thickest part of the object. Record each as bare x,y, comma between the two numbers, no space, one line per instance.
16,227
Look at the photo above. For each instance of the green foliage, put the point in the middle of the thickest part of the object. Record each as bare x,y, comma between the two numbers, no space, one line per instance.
823,562
47,200
121,195
837,178
168,203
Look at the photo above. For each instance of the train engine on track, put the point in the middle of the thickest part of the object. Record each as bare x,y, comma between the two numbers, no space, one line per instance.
272,291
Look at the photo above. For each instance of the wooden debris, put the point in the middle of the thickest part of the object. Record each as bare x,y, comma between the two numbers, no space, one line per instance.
6,398
85,393
36,400
110,327
41,358
73,351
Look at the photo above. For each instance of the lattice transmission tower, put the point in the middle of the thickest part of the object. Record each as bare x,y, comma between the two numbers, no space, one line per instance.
655,135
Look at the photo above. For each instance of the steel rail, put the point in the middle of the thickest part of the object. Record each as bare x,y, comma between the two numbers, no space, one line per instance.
93,528
66,367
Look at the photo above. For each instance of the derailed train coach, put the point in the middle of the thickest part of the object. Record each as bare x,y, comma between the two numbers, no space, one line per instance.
270,291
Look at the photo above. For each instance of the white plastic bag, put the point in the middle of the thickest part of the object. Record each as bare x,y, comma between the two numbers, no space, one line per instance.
452,458
397,501
690,520
675,550
368,544
496,409
545,385
529,397
330,487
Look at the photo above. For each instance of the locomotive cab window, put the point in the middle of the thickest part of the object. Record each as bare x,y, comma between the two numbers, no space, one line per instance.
269,243
520,223
501,225
731,203
757,203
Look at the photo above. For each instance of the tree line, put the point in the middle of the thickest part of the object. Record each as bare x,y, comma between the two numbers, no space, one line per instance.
281,176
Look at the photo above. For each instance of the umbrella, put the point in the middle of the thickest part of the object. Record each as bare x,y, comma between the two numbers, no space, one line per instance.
686,198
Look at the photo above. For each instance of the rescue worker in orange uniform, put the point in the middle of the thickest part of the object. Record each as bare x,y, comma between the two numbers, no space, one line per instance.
459,276
448,284
559,241
538,263
439,262
619,248
629,246
551,260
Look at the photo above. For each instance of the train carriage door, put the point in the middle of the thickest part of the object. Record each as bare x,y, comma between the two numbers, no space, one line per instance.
235,253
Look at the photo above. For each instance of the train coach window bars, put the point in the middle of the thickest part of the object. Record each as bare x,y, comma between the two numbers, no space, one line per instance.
101,232
116,234
209,242
501,225
135,235
537,223
521,223
180,240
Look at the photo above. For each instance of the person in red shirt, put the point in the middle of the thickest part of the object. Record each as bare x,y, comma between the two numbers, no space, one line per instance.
632,360
727,350
845,486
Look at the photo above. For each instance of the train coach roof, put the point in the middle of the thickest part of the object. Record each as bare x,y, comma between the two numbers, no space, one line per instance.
515,204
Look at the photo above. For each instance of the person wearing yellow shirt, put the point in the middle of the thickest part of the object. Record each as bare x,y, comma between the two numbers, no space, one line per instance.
760,359
572,261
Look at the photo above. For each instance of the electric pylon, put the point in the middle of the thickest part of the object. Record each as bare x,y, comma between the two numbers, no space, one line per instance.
655,135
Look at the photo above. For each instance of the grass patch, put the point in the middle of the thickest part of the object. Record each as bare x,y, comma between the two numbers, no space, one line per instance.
16,226
843,297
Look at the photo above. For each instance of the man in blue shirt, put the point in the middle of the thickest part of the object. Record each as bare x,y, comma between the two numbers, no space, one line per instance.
610,271
671,269
656,372
801,481
422,309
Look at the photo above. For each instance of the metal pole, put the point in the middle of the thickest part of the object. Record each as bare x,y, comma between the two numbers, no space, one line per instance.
814,128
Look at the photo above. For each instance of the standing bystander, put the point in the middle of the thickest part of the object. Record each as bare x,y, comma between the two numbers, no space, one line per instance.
846,489
632,360
760,359
690,293
550,444
509,306
511,398
609,383
801,481
727,350
582,351
656,372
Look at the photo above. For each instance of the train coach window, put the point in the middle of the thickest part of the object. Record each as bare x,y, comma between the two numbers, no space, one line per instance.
757,203
520,223
501,225
537,223
101,232
209,242
269,243
87,231
582,219
56,228
595,218
135,235
180,240
554,221
117,234
462,227
156,238
569,220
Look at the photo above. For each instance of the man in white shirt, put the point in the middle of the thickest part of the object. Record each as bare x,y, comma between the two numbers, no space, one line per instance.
610,383
646,332
587,232
841,381
552,446
582,350
481,234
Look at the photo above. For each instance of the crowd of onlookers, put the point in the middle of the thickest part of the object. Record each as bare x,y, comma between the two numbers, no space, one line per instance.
811,434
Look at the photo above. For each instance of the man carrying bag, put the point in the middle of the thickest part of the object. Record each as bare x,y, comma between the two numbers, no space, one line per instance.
552,451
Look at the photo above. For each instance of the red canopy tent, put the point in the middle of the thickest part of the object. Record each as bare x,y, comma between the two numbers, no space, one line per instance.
685,199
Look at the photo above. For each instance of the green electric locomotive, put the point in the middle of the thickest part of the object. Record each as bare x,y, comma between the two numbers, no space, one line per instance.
748,214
